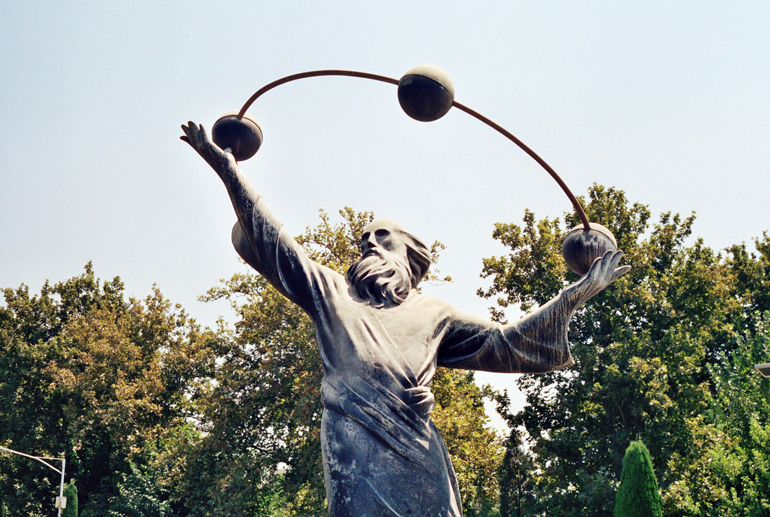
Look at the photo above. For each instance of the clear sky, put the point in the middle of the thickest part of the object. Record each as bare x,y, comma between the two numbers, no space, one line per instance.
668,101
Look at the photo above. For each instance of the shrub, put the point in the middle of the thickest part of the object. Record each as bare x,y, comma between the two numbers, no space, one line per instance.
638,494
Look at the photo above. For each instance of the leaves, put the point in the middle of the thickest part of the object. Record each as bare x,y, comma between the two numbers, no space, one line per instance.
638,494
89,373
644,349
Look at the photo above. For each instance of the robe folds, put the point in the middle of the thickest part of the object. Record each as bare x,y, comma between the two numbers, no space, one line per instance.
382,454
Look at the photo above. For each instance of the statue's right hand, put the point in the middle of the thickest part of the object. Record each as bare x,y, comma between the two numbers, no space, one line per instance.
199,140
603,272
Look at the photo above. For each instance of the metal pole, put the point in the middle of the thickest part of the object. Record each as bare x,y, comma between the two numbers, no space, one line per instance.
36,458
61,485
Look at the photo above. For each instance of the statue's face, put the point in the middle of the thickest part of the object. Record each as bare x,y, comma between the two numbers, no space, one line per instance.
381,237
382,276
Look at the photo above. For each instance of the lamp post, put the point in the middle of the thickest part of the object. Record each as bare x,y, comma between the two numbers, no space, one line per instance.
763,369
61,502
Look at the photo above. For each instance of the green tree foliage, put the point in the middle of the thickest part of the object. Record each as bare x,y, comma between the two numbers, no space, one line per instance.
638,494
87,372
644,351
142,493
71,493
475,450
516,475
264,409
740,458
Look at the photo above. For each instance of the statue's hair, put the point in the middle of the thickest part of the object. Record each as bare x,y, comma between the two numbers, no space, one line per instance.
418,254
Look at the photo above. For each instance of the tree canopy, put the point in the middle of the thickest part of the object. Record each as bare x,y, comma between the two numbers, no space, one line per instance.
86,372
160,417
653,353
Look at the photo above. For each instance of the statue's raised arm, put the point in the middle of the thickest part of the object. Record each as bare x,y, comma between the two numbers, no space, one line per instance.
242,193
258,236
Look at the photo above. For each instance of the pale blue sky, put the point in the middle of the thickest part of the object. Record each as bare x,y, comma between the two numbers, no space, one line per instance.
665,100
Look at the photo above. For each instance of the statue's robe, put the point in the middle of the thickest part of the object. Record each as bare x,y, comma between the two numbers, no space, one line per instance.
382,454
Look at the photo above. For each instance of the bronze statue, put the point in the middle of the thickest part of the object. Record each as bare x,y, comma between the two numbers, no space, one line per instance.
380,344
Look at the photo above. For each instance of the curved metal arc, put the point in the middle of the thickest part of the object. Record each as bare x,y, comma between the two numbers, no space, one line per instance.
524,147
314,73
364,75
36,458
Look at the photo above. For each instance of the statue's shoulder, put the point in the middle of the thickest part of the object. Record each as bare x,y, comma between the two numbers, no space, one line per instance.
432,305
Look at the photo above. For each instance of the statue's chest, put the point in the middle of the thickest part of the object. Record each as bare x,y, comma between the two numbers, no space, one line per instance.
409,331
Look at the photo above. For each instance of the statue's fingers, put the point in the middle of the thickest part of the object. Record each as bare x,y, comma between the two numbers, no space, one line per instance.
615,259
198,132
204,134
606,261
187,132
184,138
193,135
622,270
595,266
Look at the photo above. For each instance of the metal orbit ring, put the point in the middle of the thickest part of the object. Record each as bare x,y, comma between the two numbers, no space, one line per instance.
426,93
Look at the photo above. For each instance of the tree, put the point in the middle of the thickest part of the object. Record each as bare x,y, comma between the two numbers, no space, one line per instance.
90,373
642,351
729,477
475,450
142,494
516,475
740,459
638,494
264,409
71,493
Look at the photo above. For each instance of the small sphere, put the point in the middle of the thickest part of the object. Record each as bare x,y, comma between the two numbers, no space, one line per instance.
242,136
426,93
581,247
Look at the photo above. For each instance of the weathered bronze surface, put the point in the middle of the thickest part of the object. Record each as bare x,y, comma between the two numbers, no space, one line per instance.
426,93
381,342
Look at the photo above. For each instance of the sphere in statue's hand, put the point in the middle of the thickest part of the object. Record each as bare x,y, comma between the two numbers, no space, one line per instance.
242,136
581,247
426,93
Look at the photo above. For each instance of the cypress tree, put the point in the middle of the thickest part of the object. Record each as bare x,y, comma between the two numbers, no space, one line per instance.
71,493
638,494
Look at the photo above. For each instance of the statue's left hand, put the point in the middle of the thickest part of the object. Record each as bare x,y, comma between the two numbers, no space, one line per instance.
603,272
199,140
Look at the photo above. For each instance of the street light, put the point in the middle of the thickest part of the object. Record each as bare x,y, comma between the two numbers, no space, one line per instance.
763,369
61,501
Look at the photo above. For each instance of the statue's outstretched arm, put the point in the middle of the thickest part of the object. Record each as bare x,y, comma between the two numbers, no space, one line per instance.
536,343
547,326
242,194
258,236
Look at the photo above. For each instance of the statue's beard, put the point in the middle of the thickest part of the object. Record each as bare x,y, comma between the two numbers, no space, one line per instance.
381,280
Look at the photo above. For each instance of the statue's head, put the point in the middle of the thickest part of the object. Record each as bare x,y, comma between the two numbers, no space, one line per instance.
392,263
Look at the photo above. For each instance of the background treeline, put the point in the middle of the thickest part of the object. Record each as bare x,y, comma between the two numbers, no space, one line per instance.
160,417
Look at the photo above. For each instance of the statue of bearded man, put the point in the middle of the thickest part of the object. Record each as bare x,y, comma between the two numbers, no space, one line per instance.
380,344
